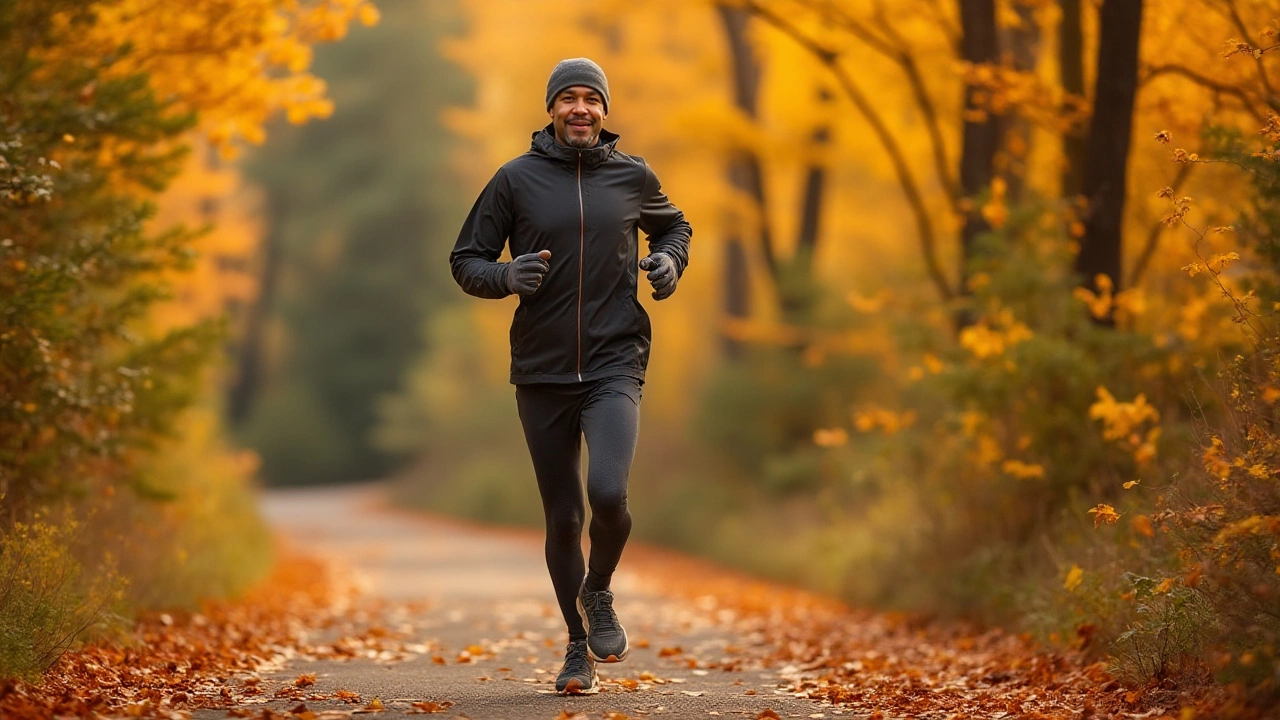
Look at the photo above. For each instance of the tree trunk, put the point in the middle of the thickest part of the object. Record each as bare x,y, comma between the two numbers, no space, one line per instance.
745,175
799,299
1023,42
1071,73
981,138
1106,161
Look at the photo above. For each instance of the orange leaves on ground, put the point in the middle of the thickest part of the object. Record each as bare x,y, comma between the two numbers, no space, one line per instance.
768,714
670,651
427,707
628,684
193,654
615,715
1103,514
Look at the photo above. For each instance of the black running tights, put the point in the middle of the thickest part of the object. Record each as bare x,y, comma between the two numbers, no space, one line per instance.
555,419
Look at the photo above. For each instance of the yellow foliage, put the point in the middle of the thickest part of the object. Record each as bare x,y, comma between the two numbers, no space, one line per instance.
1074,576
208,192
236,63
1103,514
830,438
1121,420
1022,470
1215,460
887,421
994,334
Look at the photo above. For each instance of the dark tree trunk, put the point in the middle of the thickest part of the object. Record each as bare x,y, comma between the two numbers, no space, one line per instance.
249,360
981,138
814,188
745,174
1106,161
798,296
1023,42
1071,72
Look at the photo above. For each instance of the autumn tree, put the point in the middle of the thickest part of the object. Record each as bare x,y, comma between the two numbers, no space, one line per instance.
106,334
1104,182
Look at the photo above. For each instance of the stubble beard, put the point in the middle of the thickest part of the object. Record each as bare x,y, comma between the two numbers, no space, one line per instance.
582,143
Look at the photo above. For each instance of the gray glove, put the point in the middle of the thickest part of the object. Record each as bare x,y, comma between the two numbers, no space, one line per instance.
662,274
525,273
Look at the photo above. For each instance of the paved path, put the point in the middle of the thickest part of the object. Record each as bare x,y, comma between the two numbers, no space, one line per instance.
472,614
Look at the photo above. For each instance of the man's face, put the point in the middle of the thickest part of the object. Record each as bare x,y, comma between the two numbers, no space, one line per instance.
578,116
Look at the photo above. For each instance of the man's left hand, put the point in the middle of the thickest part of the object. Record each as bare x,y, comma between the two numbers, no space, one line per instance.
662,274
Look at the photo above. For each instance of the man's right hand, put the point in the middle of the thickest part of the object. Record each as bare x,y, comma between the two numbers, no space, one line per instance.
525,273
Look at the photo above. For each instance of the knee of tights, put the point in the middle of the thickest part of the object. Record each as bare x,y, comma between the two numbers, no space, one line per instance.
567,526
610,509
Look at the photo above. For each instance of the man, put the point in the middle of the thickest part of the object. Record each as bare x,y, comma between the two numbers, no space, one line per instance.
570,208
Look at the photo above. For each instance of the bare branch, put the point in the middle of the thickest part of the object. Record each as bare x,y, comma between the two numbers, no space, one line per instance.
1157,229
910,188
1209,83
1244,32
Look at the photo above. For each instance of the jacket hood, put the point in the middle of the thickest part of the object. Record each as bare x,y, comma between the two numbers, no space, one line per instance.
545,144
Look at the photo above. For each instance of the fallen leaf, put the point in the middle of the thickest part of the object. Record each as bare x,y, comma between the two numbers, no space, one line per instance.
693,693
615,715
768,714
305,680
431,706
670,651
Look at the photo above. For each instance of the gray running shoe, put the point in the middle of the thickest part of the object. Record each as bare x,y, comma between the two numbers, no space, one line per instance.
606,639
578,676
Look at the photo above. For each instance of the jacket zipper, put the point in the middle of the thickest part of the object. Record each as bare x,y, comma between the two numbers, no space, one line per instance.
582,231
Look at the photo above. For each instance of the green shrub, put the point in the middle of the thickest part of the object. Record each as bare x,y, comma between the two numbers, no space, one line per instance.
48,598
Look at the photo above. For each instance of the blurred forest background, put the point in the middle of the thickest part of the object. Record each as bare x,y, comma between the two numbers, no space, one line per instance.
978,321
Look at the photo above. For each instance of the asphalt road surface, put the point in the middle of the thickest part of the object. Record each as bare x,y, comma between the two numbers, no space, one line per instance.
465,618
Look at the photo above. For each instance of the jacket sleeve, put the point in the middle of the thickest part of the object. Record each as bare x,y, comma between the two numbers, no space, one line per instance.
474,260
667,230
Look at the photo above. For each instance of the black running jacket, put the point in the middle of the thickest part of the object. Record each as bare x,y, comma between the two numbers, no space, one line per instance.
584,322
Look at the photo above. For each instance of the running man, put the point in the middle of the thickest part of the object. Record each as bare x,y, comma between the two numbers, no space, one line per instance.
570,209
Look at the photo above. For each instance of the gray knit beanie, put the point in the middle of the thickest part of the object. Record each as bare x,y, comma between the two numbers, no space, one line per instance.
577,71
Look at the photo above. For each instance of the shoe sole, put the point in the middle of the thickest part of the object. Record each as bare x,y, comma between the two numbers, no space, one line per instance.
611,657
574,687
